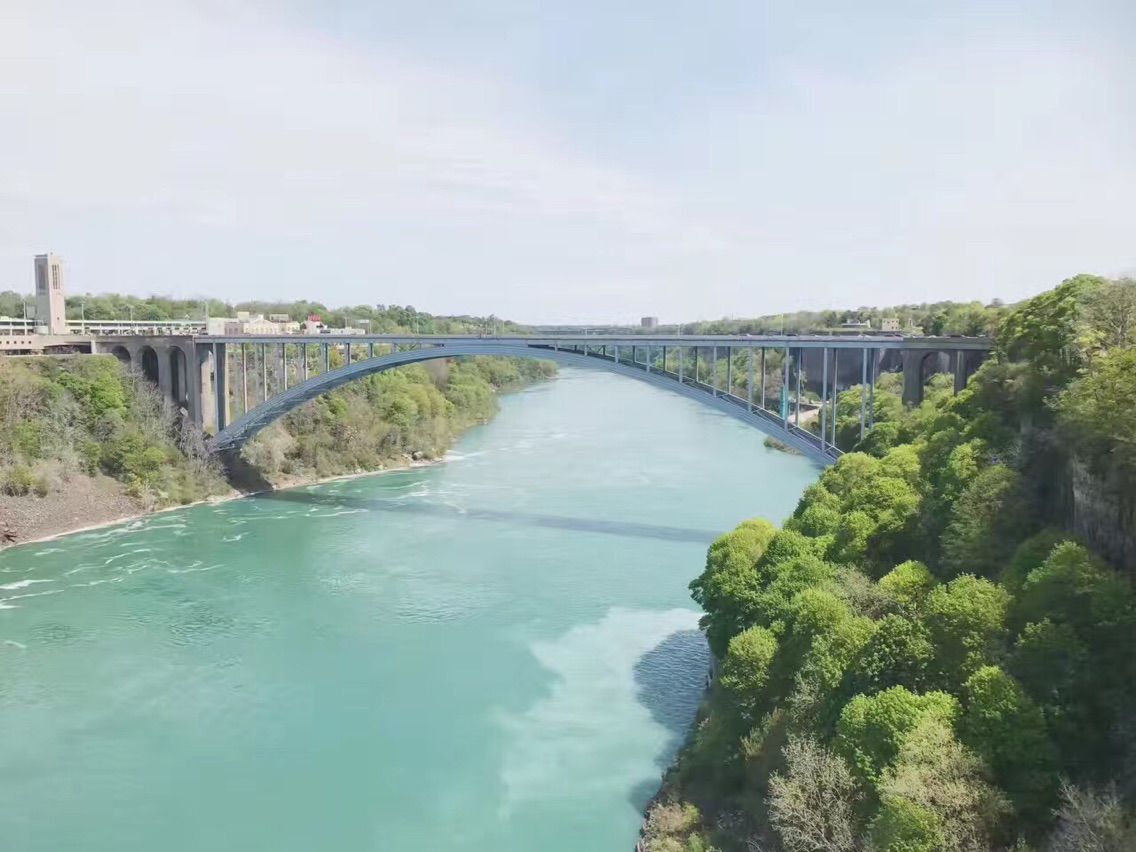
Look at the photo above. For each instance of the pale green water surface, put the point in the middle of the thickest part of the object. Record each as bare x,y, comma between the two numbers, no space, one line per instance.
495,653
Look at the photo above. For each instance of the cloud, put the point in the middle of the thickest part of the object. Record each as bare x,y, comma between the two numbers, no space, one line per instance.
190,148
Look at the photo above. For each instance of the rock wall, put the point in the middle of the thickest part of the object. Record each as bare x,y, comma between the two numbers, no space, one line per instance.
1103,514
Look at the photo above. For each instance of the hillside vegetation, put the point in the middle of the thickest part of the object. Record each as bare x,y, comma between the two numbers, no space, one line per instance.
67,417
413,412
69,423
933,654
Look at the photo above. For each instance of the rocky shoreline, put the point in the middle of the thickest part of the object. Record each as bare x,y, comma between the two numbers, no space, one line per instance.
90,503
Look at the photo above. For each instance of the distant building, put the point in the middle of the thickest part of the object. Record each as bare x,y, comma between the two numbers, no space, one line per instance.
51,307
281,318
649,322
243,323
889,324
856,324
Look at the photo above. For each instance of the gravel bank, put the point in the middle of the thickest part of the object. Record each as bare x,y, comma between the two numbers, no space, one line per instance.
83,502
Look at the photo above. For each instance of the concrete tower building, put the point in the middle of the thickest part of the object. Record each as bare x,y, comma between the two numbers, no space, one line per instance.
51,308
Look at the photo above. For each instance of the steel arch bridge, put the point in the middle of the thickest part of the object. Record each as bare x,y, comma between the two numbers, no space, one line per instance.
609,353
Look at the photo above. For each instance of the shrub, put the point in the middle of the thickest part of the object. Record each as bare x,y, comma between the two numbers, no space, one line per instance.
19,480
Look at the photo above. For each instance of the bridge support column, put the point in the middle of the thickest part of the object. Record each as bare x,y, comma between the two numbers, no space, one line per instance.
244,381
785,393
221,387
872,388
960,371
207,399
165,373
912,361
823,401
749,385
863,389
835,391
797,402
762,378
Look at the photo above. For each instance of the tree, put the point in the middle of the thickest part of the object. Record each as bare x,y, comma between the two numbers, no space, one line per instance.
908,584
727,587
812,806
967,621
936,772
1090,821
899,653
905,826
745,670
872,728
1094,413
1006,727
989,519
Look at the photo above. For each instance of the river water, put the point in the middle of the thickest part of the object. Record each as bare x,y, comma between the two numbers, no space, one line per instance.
494,653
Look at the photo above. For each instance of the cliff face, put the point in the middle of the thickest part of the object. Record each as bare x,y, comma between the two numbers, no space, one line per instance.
1103,514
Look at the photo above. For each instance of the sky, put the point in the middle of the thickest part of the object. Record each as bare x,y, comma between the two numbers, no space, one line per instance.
556,162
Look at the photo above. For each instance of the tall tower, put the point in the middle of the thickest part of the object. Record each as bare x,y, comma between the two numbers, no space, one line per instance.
51,308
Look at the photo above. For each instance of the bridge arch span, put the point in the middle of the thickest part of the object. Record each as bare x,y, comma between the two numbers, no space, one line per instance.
233,436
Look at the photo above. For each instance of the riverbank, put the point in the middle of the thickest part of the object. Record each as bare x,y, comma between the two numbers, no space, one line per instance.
93,503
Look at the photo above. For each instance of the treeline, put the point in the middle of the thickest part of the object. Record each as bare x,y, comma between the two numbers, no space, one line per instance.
413,412
380,319
924,658
973,319
63,417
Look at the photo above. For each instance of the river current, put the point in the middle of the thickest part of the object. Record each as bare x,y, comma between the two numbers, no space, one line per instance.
496,653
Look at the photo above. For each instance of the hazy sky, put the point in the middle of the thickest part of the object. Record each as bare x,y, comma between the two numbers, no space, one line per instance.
569,161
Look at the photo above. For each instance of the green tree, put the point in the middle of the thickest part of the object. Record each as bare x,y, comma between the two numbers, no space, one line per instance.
745,670
908,584
1005,727
904,826
967,622
991,516
872,728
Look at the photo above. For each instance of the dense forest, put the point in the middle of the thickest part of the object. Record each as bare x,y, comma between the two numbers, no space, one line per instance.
937,651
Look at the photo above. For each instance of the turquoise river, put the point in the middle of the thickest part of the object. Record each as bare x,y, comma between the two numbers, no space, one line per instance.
497,652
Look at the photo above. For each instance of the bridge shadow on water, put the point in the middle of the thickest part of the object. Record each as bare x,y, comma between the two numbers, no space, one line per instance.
535,519
669,680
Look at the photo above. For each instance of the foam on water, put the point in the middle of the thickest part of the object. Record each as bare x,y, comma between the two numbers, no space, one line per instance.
593,731
22,584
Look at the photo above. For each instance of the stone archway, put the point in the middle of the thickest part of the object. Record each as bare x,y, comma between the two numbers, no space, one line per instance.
179,377
122,354
148,361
